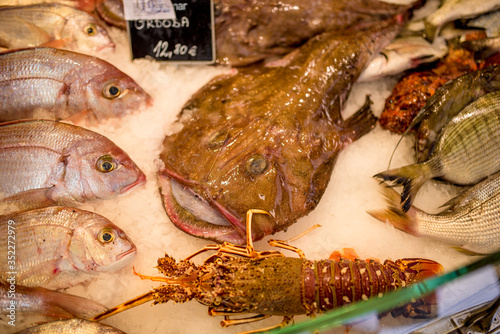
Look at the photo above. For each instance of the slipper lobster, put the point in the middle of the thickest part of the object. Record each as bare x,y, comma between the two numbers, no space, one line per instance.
239,279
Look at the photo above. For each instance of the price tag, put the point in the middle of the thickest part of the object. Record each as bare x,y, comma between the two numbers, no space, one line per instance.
171,30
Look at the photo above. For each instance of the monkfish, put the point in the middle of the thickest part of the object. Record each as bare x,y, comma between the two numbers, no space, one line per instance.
267,137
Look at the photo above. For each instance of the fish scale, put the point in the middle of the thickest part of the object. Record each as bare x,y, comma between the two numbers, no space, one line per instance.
477,127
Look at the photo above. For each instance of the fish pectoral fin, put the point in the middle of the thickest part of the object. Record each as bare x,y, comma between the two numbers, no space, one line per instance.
362,122
82,117
74,306
30,199
465,251
56,43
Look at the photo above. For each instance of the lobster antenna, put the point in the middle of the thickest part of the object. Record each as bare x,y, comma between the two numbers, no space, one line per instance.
303,233
125,306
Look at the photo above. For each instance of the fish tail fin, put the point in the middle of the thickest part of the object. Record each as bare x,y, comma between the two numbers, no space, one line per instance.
411,177
395,215
362,122
67,305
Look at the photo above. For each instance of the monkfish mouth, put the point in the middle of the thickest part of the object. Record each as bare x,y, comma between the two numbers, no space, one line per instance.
196,216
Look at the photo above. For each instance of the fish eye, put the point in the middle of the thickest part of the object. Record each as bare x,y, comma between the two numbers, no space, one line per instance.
111,91
90,29
106,235
256,164
106,164
487,76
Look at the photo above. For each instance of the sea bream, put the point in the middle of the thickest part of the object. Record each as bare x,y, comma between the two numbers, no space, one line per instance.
466,151
267,137
447,102
471,222
59,247
59,84
45,162
52,24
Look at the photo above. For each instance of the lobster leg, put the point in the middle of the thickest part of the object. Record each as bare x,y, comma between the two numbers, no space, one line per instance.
248,251
282,324
284,245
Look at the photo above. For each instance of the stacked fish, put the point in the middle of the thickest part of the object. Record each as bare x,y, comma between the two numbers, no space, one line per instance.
48,163
48,167
459,141
457,137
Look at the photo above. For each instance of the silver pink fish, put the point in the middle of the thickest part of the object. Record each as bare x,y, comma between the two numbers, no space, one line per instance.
59,247
60,84
45,162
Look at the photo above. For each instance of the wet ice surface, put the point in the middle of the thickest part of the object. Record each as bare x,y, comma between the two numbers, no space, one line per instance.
341,211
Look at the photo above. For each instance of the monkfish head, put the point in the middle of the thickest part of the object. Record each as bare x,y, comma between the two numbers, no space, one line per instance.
210,177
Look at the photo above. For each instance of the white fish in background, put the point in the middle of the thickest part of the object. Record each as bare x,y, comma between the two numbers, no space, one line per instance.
402,54
54,25
452,10
472,221
491,44
73,326
59,247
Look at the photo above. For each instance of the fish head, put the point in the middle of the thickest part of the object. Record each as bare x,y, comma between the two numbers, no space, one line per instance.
115,94
490,78
104,170
99,245
208,191
84,33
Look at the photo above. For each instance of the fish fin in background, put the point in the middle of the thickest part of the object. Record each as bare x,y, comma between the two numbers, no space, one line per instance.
56,304
30,199
466,251
362,121
15,29
411,177
394,214
56,43
82,117
76,306
483,48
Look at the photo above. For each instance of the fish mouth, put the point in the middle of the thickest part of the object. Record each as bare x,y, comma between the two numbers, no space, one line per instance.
141,178
121,260
194,215
125,256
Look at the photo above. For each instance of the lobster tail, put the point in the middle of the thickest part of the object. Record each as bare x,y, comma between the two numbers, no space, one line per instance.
416,269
